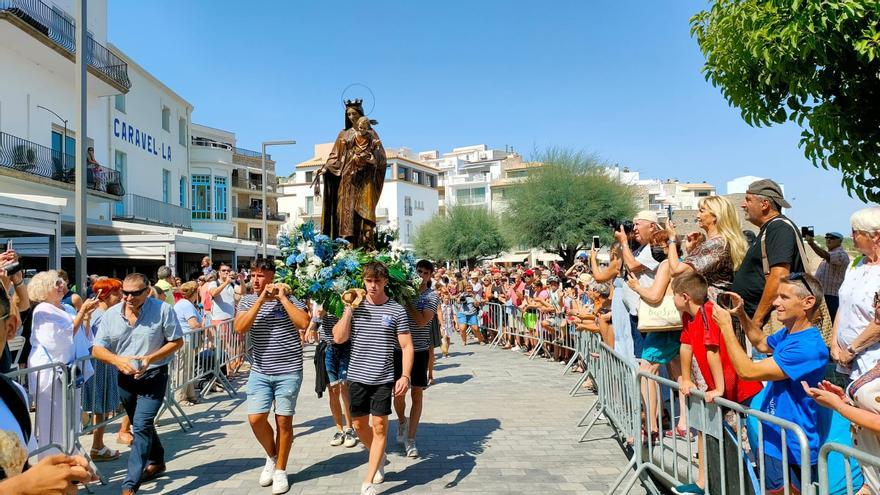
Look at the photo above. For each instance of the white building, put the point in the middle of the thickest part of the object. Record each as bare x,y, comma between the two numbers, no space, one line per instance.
409,196
139,190
466,174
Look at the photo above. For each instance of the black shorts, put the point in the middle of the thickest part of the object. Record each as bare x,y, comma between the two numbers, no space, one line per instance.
419,377
369,399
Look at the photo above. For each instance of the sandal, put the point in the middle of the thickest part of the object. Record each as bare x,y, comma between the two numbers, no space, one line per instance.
682,434
187,403
104,455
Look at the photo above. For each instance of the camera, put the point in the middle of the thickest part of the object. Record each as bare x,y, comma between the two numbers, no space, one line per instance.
615,225
808,231
725,301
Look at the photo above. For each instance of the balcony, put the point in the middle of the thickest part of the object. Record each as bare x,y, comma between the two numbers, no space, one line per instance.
257,214
250,153
56,31
140,208
251,185
34,160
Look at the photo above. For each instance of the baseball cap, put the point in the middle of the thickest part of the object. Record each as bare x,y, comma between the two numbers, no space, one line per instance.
834,235
646,215
582,255
528,273
770,189
552,280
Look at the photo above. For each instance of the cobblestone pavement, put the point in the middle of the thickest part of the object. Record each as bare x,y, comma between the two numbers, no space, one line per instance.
494,422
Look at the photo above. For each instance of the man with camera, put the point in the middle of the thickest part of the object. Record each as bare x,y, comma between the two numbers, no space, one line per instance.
273,318
833,266
640,263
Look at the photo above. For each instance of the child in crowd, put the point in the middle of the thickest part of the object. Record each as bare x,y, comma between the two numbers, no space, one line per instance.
447,320
705,365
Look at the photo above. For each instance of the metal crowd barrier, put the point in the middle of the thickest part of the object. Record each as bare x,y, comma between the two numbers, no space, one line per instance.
47,387
866,462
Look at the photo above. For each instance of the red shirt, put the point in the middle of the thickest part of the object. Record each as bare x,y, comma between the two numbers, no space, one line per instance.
701,332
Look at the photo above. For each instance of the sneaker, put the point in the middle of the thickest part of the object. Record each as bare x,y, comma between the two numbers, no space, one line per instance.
338,438
514,348
401,432
351,438
689,489
379,477
279,482
411,450
368,489
268,471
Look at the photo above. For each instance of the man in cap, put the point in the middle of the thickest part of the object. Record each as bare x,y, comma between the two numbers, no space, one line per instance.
779,237
832,268
641,264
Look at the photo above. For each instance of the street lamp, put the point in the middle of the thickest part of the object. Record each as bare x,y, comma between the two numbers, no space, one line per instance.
63,139
265,182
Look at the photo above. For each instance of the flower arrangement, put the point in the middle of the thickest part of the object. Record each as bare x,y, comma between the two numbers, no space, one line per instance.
318,268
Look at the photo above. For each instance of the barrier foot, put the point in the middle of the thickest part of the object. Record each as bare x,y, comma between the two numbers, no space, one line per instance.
587,414
624,474
537,350
78,448
170,405
496,340
591,424
577,386
571,363
226,384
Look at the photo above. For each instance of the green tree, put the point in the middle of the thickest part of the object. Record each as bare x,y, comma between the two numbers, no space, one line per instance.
813,62
464,233
564,203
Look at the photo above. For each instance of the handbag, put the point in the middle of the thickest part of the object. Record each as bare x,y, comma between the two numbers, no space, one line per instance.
663,317
821,317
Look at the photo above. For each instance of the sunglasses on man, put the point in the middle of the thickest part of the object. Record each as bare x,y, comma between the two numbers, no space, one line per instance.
134,293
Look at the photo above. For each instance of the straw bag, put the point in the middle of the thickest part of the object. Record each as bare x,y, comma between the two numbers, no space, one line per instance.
822,317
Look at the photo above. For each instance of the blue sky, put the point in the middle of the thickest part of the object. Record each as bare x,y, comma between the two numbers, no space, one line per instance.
621,79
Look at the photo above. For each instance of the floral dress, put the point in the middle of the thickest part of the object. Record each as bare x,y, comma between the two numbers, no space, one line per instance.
712,260
447,312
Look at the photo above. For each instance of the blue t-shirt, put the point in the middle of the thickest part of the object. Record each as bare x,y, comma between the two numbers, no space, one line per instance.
801,356
186,310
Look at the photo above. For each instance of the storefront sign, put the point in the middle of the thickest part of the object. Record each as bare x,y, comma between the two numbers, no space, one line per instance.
142,140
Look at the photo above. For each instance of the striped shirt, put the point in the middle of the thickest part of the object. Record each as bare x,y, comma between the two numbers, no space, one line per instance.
831,271
374,331
421,337
276,346
328,321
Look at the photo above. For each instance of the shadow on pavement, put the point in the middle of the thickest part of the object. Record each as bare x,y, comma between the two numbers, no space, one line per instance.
312,426
456,354
446,366
452,379
229,467
466,439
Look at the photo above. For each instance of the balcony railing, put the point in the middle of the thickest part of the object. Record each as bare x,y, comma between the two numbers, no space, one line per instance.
257,214
34,159
210,143
62,31
250,153
251,185
144,209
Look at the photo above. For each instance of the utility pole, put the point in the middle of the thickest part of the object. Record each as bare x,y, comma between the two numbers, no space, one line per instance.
80,198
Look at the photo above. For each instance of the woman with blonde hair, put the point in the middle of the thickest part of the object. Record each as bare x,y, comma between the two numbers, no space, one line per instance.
53,341
718,256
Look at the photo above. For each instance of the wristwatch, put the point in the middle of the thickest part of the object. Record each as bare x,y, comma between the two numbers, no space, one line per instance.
850,350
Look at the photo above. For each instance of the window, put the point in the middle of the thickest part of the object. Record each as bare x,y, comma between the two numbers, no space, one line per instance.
220,203
201,197
432,181
119,103
310,205
474,196
70,150
402,173
119,160
310,176
166,186
255,234
416,177
183,191
181,131
407,206
703,194
517,174
420,205
388,173
166,119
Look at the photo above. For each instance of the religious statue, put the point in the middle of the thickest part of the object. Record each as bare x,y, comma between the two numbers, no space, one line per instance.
352,180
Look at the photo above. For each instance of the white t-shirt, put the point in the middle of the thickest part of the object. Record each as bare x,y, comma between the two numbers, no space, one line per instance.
223,304
856,310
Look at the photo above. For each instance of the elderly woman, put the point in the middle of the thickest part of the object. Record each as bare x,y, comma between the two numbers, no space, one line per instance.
53,341
856,348
190,319
100,393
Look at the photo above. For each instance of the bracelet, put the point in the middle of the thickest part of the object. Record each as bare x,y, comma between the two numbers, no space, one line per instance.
408,379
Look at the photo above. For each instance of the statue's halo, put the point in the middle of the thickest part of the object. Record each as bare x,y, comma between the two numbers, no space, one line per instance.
350,93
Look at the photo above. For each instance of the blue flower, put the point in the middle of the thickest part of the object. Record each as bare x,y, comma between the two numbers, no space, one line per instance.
299,258
325,273
291,260
321,238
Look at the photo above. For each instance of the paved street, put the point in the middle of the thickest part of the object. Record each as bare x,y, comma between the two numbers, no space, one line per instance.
494,423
